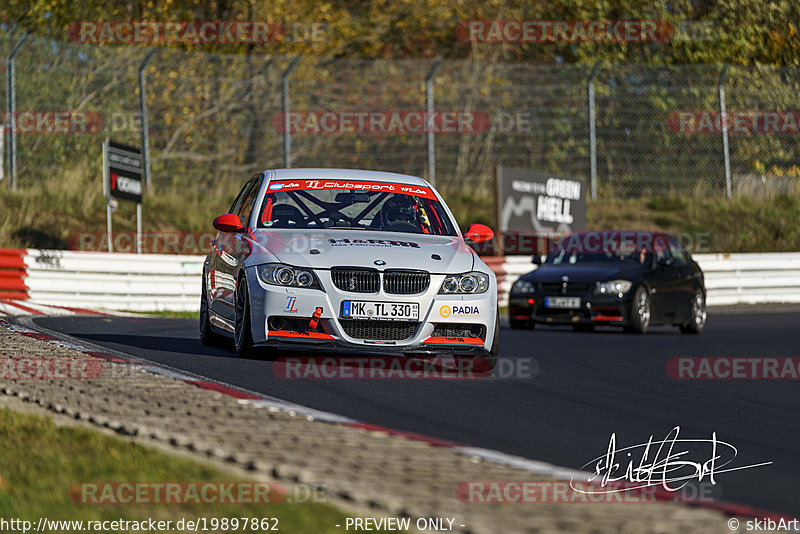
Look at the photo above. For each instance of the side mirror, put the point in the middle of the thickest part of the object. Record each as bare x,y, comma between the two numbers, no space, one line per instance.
228,223
537,259
477,233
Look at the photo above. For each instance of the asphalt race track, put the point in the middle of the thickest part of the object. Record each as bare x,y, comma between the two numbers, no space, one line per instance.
587,386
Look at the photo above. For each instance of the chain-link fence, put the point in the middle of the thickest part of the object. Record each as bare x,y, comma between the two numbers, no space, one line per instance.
215,118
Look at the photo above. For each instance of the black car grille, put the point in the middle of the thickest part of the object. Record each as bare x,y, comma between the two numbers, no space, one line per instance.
379,330
356,280
572,288
406,282
456,330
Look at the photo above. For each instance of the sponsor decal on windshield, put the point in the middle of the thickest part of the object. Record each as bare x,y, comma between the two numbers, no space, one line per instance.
383,187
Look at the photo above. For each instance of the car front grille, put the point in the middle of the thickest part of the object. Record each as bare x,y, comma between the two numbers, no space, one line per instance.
379,330
406,282
572,288
356,280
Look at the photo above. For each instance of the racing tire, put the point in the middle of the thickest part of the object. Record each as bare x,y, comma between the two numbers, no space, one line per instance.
640,311
242,335
698,315
208,337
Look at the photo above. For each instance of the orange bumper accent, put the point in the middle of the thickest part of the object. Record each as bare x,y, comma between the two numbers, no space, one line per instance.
299,335
454,341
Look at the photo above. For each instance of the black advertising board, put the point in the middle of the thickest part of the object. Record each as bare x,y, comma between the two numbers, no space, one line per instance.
125,172
532,207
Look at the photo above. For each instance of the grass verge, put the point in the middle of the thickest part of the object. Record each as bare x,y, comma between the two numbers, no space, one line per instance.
40,461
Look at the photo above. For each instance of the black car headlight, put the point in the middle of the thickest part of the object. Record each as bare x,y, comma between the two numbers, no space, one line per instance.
613,287
278,274
472,282
523,286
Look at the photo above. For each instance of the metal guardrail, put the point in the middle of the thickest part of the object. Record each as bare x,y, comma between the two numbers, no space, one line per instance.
158,282
730,278
133,282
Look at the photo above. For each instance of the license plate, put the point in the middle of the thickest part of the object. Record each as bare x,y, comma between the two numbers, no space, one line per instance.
562,302
398,311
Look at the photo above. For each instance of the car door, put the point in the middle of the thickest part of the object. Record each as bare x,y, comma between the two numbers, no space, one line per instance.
683,284
228,253
660,280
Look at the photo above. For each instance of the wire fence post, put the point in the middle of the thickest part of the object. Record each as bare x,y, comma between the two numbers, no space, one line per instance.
592,134
725,147
287,134
430,107
11,106
143,117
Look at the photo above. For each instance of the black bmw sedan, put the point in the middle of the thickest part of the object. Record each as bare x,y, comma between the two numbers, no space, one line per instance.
615,278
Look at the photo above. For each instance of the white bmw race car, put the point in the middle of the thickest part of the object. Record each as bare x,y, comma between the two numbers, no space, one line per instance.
352,260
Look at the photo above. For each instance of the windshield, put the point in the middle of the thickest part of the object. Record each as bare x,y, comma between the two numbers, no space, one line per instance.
605,248
564,257
347,204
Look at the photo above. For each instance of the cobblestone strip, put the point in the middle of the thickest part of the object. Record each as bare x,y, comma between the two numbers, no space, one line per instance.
366,471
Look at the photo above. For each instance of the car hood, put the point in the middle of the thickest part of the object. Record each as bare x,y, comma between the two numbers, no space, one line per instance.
585,273
356,248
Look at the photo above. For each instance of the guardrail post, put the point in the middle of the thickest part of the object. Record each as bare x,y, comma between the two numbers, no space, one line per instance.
287,134
11,106
429,108
724,119
592,134
143,116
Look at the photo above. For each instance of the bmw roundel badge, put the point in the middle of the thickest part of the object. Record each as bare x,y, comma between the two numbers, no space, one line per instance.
379,262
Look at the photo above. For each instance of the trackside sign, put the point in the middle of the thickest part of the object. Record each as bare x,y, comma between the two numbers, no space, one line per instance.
532,206
124,172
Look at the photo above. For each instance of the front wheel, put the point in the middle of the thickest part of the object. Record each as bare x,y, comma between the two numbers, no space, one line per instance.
640,311
697,321
243,336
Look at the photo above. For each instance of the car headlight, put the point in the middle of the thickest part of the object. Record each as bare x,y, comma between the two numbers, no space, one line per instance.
278,274
523,286
613,287
472,282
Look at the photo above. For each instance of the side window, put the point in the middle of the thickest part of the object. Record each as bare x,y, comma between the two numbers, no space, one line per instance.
237,204
662,253
678,253
246,207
